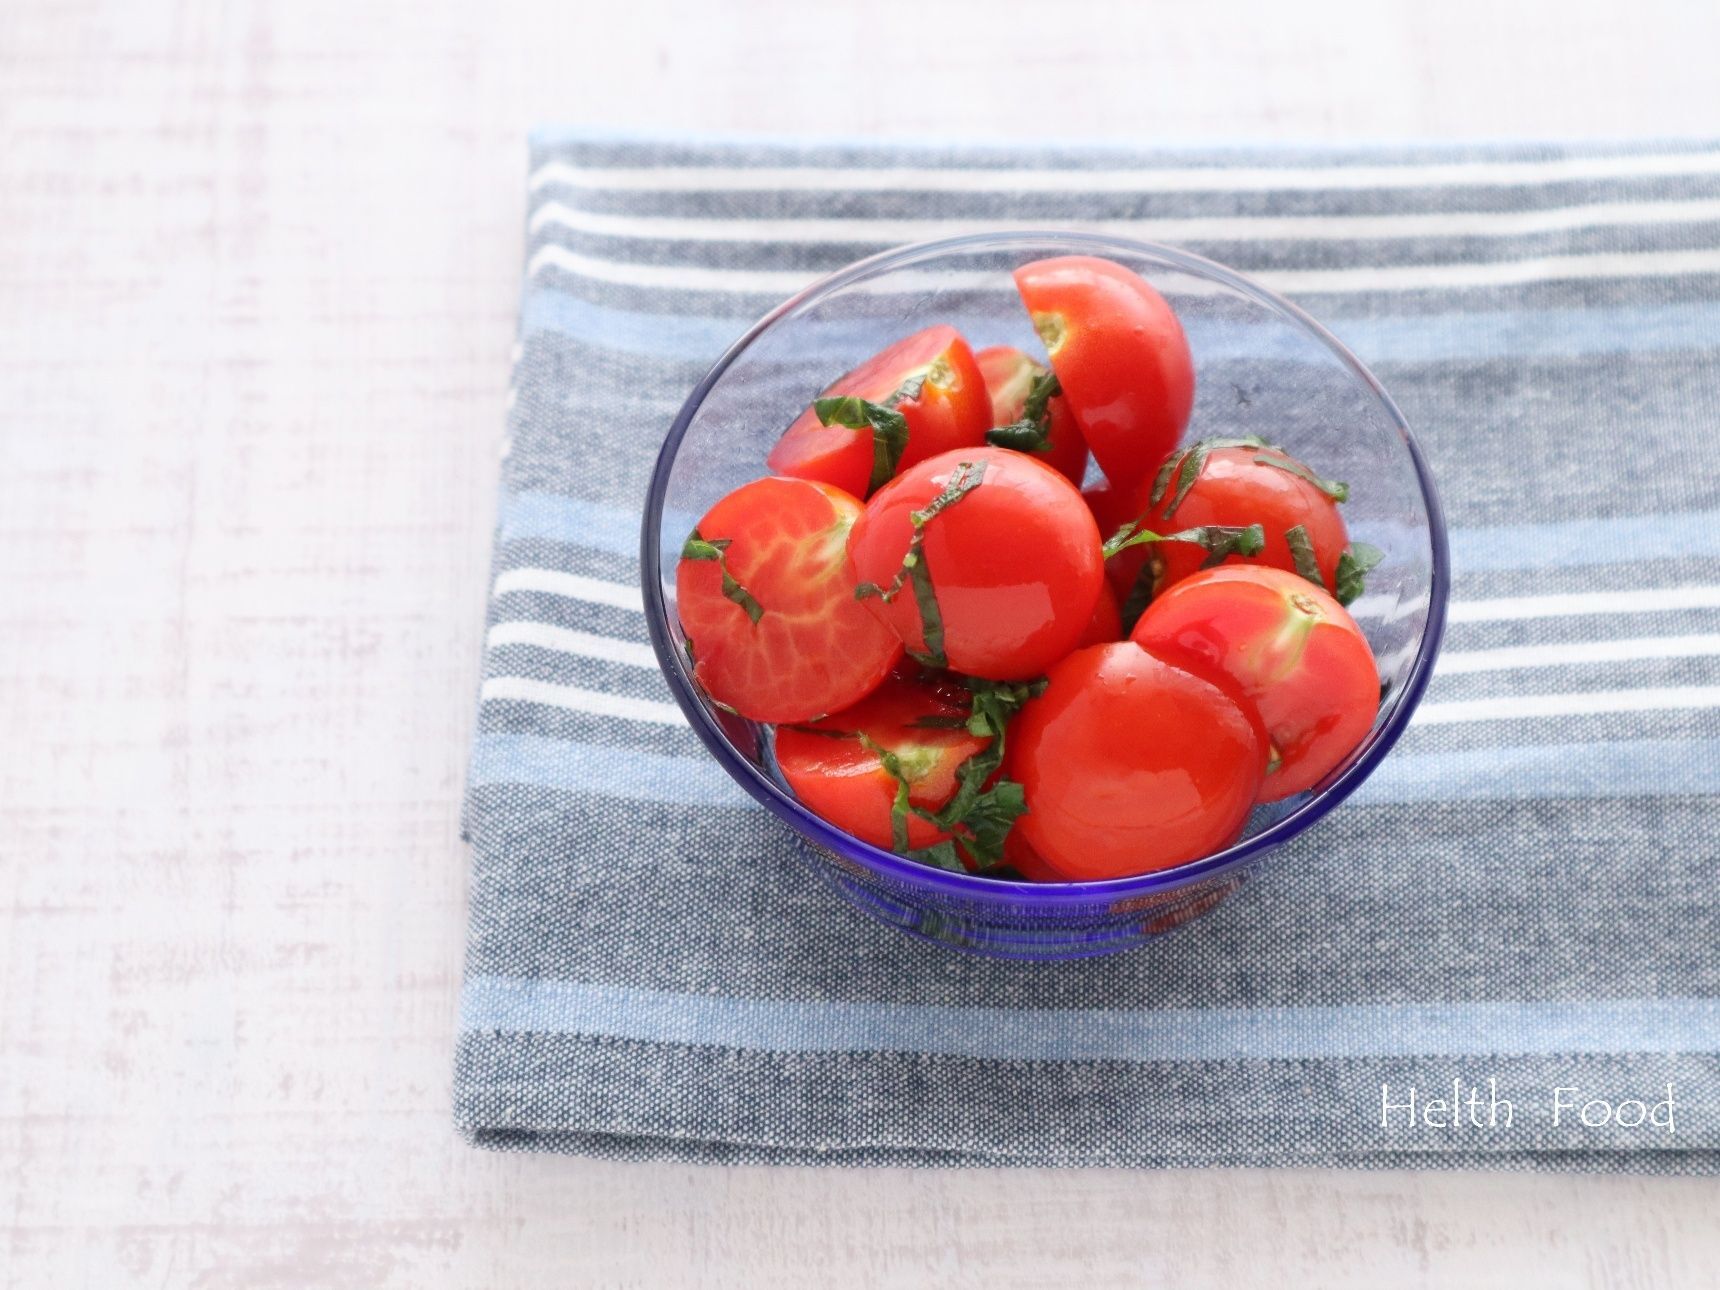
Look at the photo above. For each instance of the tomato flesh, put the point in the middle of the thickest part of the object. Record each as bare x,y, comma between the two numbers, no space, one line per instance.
814,649
833,772
1009,377
1293,651
1014,564
1131,765
1120,355
951,410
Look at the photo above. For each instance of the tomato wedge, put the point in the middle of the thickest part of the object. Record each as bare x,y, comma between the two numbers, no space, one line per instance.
1009,376
948,408
1293,651
765,593
832,770
1131,764
1005,562
1120,355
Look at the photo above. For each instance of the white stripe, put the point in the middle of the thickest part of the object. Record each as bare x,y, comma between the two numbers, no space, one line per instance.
1513,657
1185,179
573,585
1400,277
575,699
567,641
1517,707
1254,228
1510,608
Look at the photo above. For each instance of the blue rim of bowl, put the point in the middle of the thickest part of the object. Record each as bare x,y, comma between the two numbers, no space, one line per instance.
1003,891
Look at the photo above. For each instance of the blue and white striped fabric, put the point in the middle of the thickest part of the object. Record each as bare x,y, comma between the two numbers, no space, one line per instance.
1526,892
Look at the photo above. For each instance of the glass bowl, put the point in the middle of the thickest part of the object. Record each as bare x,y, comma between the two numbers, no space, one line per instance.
1261,366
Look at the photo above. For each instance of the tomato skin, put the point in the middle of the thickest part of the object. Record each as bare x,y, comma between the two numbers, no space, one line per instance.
1132,765
815,649
1015,564
1233,490
1112,508
1009,376
1120,355
1292,650
1106,624
844,782
953,411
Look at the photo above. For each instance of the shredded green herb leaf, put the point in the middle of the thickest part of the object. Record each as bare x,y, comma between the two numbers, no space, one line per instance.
1302,553
980,816
889,430
1219,540
1278,460
963,480
1185,465
1359,560
701,548
1032,433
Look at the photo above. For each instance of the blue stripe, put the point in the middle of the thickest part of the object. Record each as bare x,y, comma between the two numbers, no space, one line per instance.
1561,545
527,1006
618,772
1422,338
1627,768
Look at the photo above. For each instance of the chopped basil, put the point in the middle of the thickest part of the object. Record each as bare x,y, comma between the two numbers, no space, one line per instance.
1185,466
1302,554
1358,560
1335,489
1032,433
1218,540
889,430
963,480
701,548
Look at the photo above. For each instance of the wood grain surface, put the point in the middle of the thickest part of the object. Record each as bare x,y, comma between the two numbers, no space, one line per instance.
258,268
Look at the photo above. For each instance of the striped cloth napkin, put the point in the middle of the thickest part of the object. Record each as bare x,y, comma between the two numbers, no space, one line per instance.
1529,915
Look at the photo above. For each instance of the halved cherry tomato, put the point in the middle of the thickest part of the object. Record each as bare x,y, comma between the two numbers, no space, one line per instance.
1106,624
1236,487
1294,651
1119,354
1006,563
1009,376
765,592
1131,764
950,410
835,774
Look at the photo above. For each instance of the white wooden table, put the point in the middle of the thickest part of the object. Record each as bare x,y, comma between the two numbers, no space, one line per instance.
258,266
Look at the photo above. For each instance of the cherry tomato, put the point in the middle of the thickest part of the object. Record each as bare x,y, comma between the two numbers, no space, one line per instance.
1019,855
1293,651
1009,376
1235,487
1119,354
1130,764
765,592
1006,562
951,410
836,775
1106,624
1112,508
